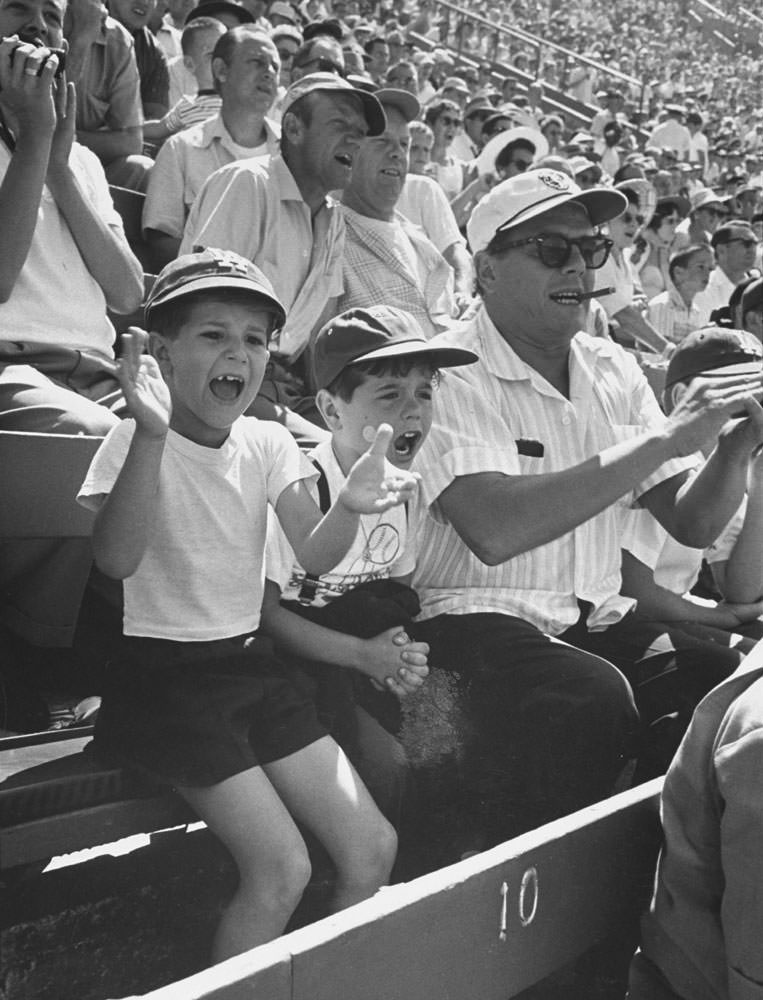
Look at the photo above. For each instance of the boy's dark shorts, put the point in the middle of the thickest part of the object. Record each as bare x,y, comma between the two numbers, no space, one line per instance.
196,713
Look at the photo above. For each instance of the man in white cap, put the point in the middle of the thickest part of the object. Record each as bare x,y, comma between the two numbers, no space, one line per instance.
277,213
527,464
708,210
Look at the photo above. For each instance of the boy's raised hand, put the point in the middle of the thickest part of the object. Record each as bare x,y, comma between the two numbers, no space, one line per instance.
146,393
367,489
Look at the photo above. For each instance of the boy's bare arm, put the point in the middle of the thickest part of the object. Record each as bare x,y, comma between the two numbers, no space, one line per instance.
320,542
27,103
390,659
123,523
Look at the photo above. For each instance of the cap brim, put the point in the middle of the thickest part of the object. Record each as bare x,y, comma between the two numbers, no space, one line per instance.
405,102
214,282
441,356
485,162
752,367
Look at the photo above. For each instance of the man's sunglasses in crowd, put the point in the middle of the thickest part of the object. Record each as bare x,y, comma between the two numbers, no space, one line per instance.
554,250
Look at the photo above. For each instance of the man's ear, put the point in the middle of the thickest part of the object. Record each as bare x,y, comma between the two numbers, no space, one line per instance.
484,269
219,69
292,128
326,404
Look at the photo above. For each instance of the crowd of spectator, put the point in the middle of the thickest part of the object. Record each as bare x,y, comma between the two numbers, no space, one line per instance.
589,233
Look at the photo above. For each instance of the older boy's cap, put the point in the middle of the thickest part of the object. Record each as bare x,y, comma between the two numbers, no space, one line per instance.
208,270
374,334
326,83
534,193
752,296
209,8
405,102
581,164
715,350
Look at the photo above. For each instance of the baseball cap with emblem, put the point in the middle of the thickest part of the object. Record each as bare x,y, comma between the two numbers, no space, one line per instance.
325,83
715,350
534,193
210,270
376,333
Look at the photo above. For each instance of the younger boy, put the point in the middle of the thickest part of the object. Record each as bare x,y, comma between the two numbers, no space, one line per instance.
371,366
194,695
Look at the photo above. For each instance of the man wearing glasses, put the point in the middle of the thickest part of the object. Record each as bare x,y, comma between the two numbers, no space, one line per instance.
735,245
531,454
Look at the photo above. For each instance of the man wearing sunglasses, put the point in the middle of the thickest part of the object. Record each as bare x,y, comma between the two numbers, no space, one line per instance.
531,453
735,245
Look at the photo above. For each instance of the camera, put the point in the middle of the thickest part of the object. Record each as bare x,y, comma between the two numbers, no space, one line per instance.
61,53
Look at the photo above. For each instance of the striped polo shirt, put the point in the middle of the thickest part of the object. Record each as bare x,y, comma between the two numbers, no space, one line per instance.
478,431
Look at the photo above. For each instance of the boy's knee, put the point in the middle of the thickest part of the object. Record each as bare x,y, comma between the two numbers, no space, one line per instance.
381,851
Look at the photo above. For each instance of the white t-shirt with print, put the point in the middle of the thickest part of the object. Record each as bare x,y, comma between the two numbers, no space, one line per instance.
381,549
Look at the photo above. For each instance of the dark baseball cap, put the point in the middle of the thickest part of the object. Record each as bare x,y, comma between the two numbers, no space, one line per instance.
374,334
715,350
209,270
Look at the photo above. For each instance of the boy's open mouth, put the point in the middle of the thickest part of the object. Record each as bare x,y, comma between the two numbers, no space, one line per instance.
227,387
405,445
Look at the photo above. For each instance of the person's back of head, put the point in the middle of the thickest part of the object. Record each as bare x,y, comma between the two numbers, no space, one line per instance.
710,352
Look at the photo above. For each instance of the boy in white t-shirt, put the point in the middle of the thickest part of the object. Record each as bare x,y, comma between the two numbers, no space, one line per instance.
371,366
194,694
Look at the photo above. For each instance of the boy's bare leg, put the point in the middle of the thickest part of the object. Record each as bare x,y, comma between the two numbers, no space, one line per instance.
246,813
321,789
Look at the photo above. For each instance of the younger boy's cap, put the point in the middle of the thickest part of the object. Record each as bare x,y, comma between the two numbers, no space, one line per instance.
330,82
208,270
715,350
374,334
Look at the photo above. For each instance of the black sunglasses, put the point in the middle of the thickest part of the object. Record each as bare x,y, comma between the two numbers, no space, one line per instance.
554,250
448,121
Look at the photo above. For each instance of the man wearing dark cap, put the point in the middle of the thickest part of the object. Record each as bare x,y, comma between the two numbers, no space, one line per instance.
735,245
276,212
468,143
523,476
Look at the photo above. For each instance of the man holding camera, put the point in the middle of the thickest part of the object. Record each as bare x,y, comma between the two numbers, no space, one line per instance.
64,260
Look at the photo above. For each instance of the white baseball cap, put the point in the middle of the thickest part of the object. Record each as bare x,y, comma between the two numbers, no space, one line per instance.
534,193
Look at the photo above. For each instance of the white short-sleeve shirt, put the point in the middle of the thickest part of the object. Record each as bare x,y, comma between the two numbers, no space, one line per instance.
202,574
